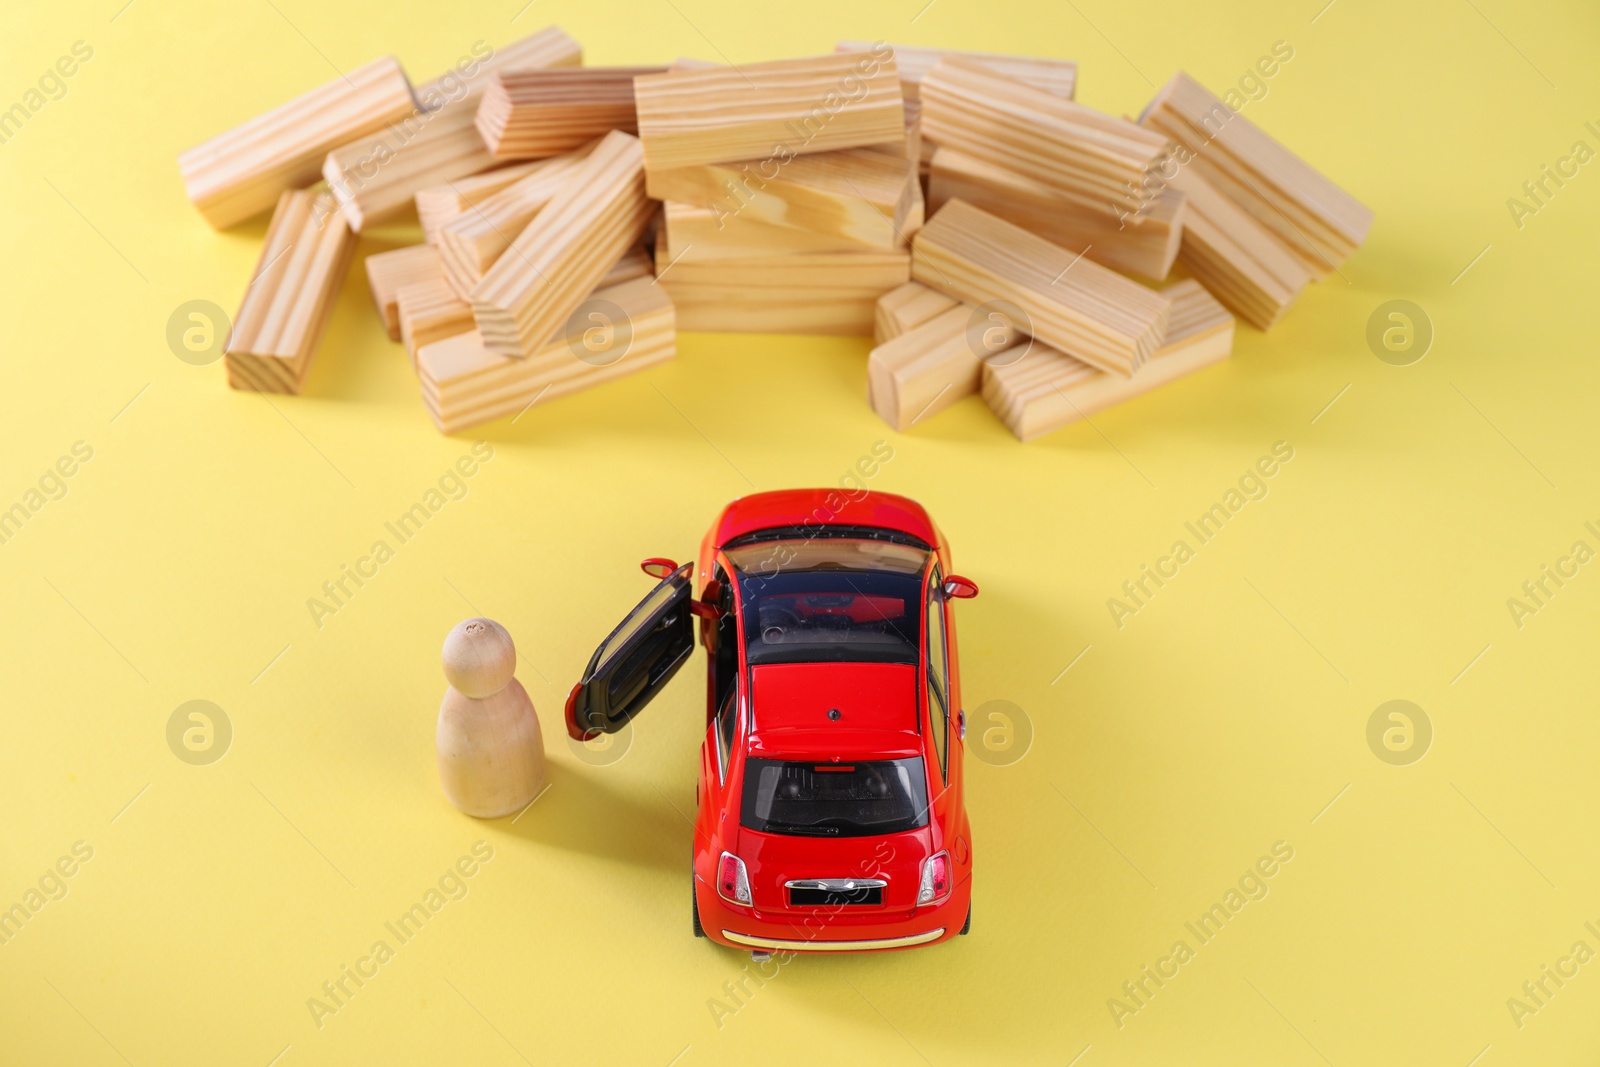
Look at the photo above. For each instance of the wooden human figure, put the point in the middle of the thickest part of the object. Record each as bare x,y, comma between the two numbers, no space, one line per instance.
491,753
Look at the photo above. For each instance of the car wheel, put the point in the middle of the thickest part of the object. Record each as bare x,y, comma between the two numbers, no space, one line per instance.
965,927
694,909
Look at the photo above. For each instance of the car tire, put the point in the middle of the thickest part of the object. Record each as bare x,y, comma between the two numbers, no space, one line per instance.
694,909
966,927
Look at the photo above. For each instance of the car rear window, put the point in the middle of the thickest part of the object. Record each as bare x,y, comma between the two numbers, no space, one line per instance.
834,799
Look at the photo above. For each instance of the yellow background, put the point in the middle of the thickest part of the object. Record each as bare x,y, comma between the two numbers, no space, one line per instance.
1222,718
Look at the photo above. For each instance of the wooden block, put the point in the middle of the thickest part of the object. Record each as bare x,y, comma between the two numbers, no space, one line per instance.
1070,302
438,204
853,194
868,270
772,110
465,383
1043,390
711,236
430,311
1316,220
1236,257
534,114
388,271
568,247
919,207
470,243
906,308
241,173
291,294
376,176
931,366
1058,77
916,150
1144,245
911,148
636,262
833,293
1076,152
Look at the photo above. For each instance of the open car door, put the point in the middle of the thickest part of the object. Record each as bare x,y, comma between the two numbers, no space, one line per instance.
630,666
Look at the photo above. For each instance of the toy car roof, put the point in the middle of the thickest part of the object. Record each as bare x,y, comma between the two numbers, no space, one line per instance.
792,706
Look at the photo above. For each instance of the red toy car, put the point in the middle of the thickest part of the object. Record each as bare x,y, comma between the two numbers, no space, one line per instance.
831,812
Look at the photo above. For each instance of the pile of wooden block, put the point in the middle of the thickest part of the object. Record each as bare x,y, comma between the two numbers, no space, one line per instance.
959,207
1043,211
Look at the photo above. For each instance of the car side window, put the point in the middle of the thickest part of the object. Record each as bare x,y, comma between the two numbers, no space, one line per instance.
727,717
938,689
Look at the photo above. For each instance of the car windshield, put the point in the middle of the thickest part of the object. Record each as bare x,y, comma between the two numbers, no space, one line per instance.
829,600
834,799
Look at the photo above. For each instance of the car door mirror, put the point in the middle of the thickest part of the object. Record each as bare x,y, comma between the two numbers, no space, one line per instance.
960,588
658,567
709,606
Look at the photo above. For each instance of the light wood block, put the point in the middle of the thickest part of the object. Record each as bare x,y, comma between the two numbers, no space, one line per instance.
776,109
438,204
465,383
636,262
1078,153
1044,390
705,234
913,147
1236,257
241,173
564,252
375,177
430,311
829,293
388,271
290,296
470,243
918,374
1145,245
906,308
1071,302
1058,77
853,194
877,270
534,114
1317,221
